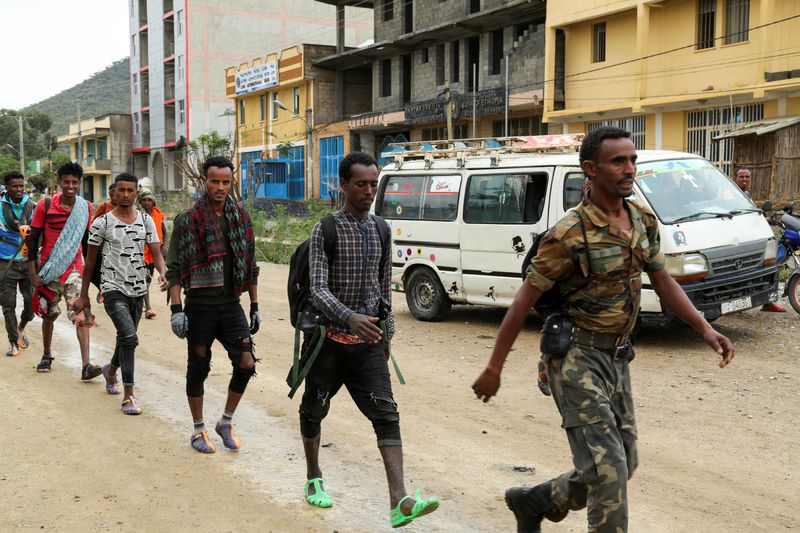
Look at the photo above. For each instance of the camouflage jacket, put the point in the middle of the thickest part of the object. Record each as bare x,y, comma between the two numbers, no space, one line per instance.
609,303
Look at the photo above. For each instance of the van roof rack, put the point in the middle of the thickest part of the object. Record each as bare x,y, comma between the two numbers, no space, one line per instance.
492,147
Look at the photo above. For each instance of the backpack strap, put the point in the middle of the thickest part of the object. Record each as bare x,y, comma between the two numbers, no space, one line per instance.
385,235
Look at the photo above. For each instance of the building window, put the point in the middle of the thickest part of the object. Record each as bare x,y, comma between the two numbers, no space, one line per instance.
599,42
386,77
455,63
706,22
497,51
135,83
133,45
474,6
180,67
181,112
737,21
241,112
102,148
520,126
296,100
439,64
179,23
705,124
262,107
388,10
635,125
460,131
135,126
423,55
273,98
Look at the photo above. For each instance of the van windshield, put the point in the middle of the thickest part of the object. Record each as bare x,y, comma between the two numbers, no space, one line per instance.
689,189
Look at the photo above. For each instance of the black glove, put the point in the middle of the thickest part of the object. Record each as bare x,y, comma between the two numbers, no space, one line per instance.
179,321
255,319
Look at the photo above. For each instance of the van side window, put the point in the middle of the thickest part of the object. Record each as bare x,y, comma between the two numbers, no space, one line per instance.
420,197
505,198
573,189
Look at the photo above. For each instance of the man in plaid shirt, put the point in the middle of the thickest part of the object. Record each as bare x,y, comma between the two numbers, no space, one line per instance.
353,295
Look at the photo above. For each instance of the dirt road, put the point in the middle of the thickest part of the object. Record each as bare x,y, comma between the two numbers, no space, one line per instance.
718,448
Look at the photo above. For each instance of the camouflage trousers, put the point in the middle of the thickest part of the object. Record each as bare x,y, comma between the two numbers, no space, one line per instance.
592,390
14,274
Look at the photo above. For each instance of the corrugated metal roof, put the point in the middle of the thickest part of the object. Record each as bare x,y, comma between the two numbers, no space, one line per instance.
761,127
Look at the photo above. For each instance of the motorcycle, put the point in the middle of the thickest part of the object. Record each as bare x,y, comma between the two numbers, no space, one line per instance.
788,257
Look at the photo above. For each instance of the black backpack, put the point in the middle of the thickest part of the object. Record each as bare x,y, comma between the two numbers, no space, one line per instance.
552,301
299,283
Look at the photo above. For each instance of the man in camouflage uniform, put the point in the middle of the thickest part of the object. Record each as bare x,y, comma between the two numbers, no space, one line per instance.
591,383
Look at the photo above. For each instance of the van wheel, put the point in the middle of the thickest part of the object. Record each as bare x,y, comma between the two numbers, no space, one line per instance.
425,296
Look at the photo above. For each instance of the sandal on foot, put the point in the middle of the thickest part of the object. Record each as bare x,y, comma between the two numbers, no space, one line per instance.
150,314
23,342
201,443
111,380
320,498
44,365
229,438
130,406
90,371
421,508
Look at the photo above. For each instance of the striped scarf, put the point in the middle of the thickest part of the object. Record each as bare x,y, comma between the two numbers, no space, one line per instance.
68,243
201,249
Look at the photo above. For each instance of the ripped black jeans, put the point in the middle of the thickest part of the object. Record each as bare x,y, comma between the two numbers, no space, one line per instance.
227,324
125,312
363,369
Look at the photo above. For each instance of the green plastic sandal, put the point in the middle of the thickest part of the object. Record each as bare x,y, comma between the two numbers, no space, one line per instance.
421,508
320,498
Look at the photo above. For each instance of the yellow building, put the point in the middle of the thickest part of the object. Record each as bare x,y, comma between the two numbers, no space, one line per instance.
105,150
282,105
676,73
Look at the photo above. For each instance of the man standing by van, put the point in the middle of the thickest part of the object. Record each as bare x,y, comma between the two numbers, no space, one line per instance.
348,289
744,179
590,381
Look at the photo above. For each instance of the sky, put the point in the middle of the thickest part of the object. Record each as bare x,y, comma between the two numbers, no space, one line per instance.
51,45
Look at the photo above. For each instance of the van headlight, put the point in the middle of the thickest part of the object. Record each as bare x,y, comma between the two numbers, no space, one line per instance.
687,267
770,252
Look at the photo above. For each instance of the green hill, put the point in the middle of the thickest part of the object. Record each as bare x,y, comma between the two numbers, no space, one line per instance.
106,91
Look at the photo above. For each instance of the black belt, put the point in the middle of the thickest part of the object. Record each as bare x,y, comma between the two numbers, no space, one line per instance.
618,346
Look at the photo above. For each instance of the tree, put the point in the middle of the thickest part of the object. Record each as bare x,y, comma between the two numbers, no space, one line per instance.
197,151
34,125
8,164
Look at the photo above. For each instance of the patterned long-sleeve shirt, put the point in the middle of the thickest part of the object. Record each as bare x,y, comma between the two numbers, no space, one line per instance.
353,284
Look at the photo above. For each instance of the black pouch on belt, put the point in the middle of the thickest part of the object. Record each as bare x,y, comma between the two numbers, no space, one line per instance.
556,335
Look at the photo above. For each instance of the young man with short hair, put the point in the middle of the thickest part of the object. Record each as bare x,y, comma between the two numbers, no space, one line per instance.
590,381
58,276
350,292
147,202
16,211
211,257
744,180
122,234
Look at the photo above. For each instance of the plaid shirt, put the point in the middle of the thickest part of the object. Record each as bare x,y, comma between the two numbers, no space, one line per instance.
352,285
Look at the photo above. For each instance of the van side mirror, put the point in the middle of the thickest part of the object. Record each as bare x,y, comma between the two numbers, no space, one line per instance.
766,206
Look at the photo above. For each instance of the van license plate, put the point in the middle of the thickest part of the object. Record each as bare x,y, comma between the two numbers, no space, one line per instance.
736,305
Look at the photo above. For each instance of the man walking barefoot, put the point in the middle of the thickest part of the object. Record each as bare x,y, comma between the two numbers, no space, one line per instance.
348,289
122,234
62,225
211,257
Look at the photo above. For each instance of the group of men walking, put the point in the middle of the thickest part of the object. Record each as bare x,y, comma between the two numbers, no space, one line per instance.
211,261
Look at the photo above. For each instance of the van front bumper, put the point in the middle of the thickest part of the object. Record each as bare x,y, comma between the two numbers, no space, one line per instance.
709,295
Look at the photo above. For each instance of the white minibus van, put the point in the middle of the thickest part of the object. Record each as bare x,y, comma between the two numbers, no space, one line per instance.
464,214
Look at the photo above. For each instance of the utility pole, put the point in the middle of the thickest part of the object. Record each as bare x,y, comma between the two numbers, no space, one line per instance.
79,153
310,153
21,147
505,131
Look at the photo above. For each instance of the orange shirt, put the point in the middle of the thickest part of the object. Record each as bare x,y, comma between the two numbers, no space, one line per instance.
158,220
